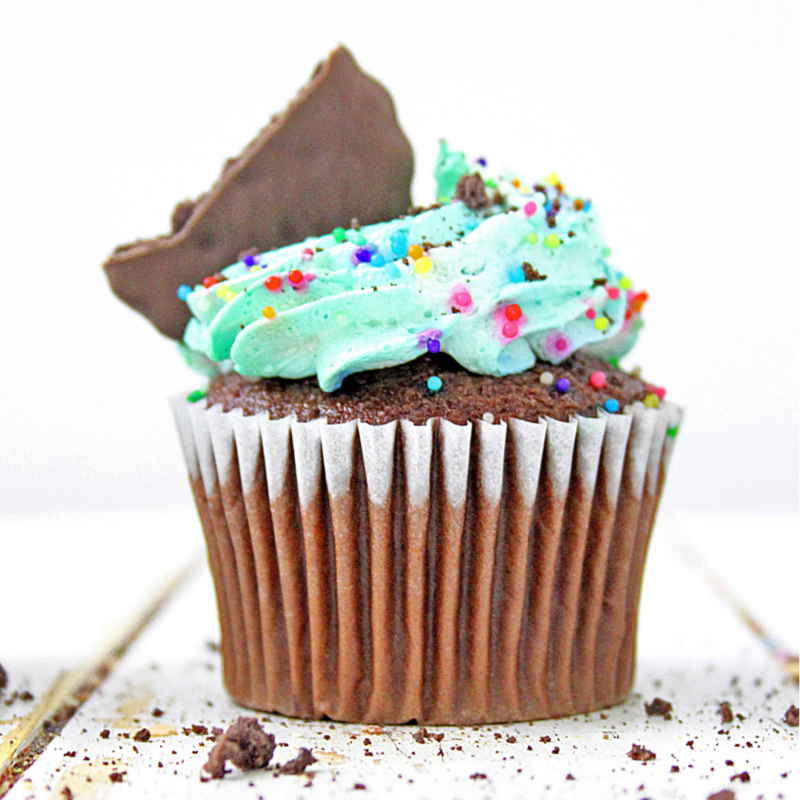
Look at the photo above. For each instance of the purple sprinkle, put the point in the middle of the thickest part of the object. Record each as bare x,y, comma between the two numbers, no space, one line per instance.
362,254
434,345
562,385
250,261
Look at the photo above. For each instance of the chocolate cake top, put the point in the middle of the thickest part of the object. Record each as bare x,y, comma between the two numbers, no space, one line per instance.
336,153
435,386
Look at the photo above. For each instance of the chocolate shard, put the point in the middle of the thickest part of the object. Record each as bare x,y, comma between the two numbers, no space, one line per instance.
337,152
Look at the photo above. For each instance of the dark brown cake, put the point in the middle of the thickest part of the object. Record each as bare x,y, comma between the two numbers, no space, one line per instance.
381,396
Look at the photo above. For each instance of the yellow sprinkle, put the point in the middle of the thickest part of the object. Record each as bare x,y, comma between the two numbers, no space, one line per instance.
222,290
525,190
552,240
552,179
601,323
423,264
268,312
532,238
651,401
229,296
415,252
625,283
256,268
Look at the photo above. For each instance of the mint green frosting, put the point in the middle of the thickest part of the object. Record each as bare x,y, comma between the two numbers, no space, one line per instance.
478,293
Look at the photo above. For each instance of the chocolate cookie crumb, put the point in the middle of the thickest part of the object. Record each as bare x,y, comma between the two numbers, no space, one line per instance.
104,734
244,744
674,768
791,716
419,736
298,765
639,753
545,739
478,776
725,794
570,776
3,678
200,730
157,712
142,735
556,751
360,787
66,793
725,712
744,777
70,754
659,708
531,273
116,777
471,190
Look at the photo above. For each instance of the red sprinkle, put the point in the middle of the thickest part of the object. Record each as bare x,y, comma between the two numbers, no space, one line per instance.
513,312
598,379
273,283
658,391
295,276
561,344
210,281
613,292
591,313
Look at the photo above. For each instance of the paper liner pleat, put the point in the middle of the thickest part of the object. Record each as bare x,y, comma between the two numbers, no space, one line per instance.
437,573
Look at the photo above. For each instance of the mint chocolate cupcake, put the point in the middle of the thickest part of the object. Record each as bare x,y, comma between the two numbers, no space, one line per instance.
427,488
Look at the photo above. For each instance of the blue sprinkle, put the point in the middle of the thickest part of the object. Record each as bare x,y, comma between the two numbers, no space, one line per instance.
612,405
377,260
548,206
184,291
392,271
471,224
517,275
562,385
399,244
250,261
434,383
481,161
363,255
587,205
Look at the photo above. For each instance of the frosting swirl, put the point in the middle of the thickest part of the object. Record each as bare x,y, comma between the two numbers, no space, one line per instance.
508,274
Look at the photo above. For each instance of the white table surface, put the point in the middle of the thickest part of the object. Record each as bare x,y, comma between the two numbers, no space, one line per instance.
74,579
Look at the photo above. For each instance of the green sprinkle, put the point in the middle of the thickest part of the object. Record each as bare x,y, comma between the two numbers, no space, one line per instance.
491,183
532,238
197,394
614,361
356,237
552,241
340,234
673,431
605,252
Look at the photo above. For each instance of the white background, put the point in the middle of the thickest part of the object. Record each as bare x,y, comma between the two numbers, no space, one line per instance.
679,120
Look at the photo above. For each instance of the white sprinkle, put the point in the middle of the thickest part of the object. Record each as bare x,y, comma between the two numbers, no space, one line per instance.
488,417
546,378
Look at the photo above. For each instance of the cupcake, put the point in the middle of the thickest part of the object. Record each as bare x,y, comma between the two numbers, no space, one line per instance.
426,486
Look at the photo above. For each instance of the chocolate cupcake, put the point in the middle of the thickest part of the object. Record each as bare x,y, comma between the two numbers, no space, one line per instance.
426,486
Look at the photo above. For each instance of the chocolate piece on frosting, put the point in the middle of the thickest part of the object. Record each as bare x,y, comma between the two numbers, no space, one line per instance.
336,152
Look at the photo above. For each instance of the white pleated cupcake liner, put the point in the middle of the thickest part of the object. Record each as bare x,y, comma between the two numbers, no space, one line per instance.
439,573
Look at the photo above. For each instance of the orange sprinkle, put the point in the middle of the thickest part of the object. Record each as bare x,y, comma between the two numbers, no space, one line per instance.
415,251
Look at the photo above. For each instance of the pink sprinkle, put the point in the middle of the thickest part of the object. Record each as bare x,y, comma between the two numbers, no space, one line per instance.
613,292
307,254
530,208
561,344
510,330
590,313
598,380
463,298
658,391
